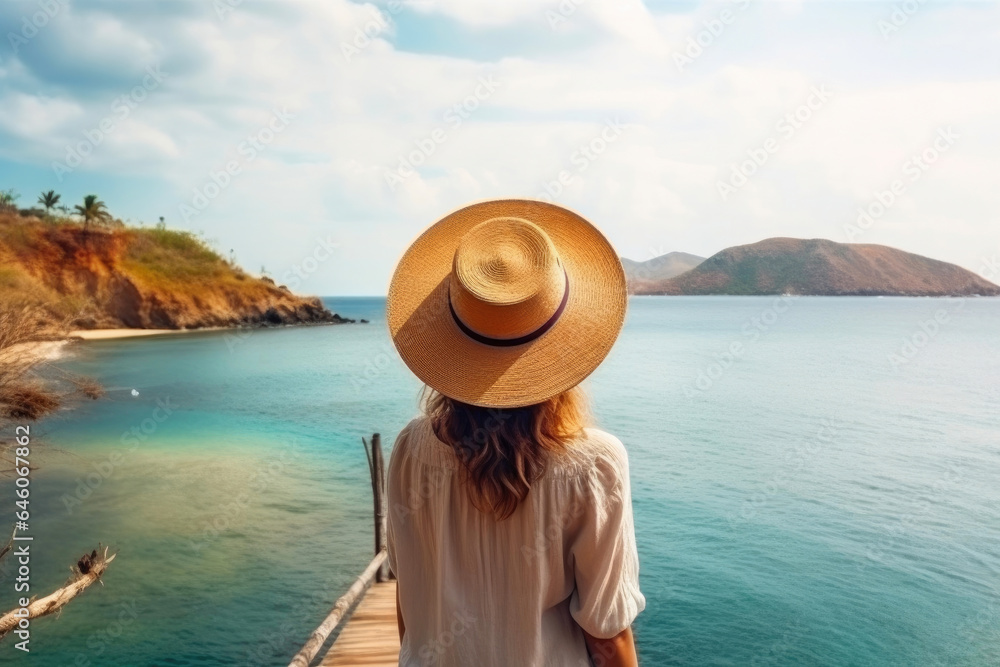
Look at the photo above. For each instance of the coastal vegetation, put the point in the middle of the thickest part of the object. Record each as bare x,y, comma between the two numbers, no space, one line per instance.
26,396
8,199
93,271
92,211
49,200
63,269
22,395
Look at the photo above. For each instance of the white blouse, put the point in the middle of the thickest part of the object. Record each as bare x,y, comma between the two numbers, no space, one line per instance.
477,592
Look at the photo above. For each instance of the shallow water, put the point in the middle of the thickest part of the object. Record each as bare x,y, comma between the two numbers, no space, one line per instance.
815,482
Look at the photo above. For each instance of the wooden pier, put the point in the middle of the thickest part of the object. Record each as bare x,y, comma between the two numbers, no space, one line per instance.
371,634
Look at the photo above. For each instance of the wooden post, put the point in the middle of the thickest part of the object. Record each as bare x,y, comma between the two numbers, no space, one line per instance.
381,504
378,568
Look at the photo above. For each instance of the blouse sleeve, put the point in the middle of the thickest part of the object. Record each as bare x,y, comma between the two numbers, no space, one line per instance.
607,598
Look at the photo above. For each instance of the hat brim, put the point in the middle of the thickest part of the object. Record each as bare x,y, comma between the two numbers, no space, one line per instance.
442,356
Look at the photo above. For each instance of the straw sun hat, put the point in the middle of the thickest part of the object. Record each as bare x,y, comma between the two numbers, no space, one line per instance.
507,303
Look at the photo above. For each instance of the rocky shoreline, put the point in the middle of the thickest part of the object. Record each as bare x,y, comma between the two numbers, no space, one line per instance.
142,279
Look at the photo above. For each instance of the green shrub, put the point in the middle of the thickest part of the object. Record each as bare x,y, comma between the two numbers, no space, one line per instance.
172,256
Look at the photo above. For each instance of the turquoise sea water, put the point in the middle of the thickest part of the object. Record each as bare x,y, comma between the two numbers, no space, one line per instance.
815,482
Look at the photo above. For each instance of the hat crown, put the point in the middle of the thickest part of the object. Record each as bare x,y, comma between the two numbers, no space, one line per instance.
507,278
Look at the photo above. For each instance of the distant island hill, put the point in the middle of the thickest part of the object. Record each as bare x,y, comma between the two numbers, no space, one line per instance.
807,267
104,275
89,271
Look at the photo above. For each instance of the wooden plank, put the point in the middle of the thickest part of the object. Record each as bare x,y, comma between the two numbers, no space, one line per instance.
371,636
319,636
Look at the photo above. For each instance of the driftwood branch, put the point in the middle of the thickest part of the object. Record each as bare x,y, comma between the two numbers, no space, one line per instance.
55,601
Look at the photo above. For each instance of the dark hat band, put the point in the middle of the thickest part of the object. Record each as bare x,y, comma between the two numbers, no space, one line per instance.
520,340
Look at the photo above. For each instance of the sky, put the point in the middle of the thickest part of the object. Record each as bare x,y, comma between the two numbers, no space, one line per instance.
315,139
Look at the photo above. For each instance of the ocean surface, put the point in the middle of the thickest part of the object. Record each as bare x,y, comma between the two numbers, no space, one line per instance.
816,481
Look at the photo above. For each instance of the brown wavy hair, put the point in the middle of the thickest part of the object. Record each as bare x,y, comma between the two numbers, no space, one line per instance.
504,450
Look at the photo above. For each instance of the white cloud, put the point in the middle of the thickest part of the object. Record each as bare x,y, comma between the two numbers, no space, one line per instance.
35,117
655,187
485,13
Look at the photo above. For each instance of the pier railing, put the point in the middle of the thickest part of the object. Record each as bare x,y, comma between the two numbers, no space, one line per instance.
377,570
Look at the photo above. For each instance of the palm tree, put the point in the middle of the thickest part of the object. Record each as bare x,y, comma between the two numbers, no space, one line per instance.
93,210
8,198
49,200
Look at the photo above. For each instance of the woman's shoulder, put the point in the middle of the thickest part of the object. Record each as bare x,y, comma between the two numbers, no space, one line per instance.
417,440
606,443
593,452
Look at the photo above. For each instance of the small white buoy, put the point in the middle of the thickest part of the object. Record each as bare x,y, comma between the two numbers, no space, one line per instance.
135,392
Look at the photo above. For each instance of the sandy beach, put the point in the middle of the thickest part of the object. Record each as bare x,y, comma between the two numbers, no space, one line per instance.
105,334
52,349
